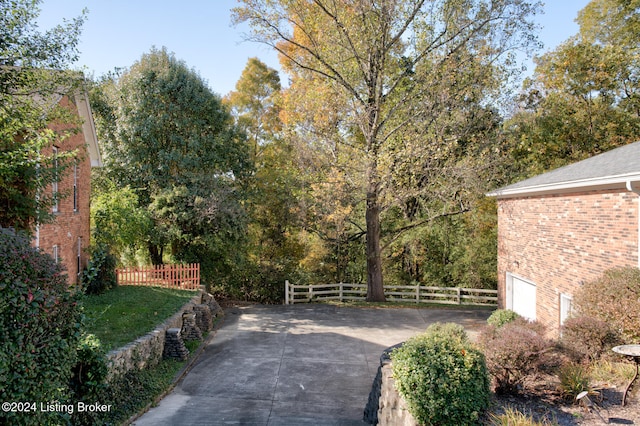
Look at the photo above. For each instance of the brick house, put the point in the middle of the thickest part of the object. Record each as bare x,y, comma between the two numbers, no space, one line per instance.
563,228
67,238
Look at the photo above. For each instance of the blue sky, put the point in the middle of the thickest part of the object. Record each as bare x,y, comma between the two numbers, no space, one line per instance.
118,32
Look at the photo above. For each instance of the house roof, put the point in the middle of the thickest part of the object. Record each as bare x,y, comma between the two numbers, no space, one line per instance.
618,168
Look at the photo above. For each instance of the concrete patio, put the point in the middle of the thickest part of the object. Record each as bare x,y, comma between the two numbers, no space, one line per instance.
294,365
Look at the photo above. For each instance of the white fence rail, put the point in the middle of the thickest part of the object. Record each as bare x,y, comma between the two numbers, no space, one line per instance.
409,293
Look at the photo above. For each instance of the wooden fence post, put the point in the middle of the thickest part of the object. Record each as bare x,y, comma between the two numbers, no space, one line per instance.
341,291
459,297
286,292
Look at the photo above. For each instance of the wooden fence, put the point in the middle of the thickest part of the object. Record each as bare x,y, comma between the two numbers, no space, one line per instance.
414,293
184,277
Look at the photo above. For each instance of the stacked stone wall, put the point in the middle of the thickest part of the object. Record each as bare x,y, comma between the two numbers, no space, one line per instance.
385,406
148,350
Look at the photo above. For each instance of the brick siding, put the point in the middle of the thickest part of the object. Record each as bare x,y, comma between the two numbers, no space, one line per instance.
70,225
560,242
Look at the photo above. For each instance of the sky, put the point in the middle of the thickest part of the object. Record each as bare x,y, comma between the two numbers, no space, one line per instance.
199,32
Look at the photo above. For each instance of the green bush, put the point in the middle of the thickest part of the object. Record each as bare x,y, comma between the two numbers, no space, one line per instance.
608,297
500,317
40,326
100,273
588,338
442,376
88,382
90,371
513,352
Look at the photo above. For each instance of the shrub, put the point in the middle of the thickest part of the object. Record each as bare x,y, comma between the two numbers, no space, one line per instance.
514,352
90,371
613,298
100,273
500,317
88,382
40,325
442,377
588,338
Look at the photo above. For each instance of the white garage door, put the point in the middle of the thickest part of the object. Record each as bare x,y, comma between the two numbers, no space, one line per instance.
521,297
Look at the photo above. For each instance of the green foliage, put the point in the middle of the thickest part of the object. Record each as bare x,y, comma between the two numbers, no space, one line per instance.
273,248
169,138
88,382
442,377
100,273
396,134
584,96
500,317
32,64
514,351
118,222
616,291
588,338
126,394
40,326
453,251
118,317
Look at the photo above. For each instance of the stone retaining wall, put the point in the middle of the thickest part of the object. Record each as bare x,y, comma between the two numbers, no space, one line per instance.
385,406
148,349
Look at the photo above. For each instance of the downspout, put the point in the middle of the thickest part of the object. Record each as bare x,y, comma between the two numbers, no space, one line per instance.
636,191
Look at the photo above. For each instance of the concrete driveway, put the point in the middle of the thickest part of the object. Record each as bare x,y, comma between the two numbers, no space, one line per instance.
294,365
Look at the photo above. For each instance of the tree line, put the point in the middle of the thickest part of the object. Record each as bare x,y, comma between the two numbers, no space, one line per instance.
371,163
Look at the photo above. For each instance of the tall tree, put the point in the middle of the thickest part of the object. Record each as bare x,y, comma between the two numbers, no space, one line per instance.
176,145
403,70
273,247
32,78
584,97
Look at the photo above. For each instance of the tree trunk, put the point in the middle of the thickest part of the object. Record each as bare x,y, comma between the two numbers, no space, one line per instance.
155,253
375,288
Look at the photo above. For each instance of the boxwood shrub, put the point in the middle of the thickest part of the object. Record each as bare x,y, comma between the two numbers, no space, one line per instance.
442,377
500,317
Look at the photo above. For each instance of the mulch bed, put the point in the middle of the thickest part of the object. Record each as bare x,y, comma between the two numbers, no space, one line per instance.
542,401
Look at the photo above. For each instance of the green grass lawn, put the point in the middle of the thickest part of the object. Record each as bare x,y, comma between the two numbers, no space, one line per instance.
121,315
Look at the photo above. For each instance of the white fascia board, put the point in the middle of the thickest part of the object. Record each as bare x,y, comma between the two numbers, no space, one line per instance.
89,128
593,184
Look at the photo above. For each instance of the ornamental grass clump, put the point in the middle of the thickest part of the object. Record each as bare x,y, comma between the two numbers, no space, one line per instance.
442,377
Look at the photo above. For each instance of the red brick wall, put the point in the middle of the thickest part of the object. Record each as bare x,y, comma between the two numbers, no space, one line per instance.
560,242
70,225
